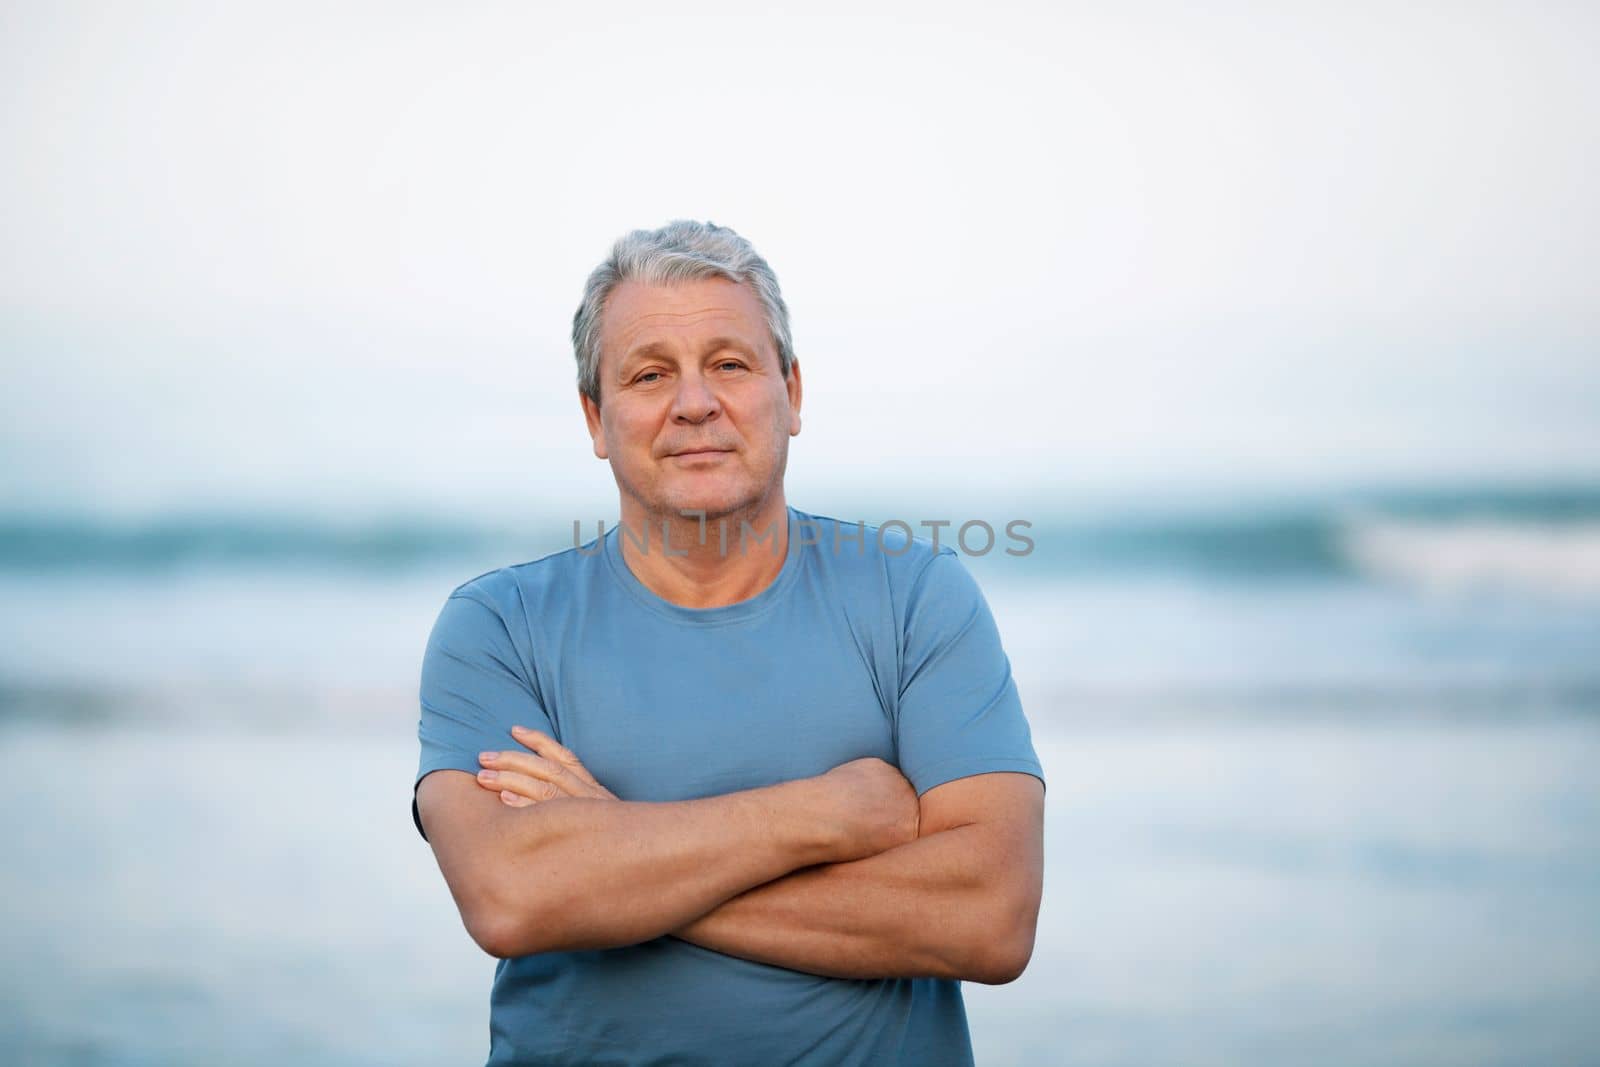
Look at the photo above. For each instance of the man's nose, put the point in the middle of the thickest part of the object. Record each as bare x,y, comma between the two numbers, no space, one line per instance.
693,402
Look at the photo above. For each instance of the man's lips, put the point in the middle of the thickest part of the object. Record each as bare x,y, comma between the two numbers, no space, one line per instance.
701,452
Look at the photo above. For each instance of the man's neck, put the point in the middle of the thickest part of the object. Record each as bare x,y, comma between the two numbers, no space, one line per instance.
710,562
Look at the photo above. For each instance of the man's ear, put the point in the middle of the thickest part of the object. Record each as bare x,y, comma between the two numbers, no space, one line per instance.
591,416
793,385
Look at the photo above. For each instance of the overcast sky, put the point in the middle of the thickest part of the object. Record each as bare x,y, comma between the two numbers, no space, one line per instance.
327,253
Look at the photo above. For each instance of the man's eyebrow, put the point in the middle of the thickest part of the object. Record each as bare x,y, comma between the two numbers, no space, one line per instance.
715,344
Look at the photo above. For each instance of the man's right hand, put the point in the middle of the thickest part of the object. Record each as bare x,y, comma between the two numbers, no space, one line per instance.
878,806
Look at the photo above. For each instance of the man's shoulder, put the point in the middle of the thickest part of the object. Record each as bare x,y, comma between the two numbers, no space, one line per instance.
514,585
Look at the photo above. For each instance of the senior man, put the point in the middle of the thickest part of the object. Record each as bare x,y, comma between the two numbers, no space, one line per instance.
731,783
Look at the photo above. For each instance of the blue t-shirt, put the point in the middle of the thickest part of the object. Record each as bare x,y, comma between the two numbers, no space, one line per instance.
860,647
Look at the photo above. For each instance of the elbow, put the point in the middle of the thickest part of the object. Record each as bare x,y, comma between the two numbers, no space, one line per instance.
496,936
506,937
1008,944
501,929
1003,961
492,929
507,926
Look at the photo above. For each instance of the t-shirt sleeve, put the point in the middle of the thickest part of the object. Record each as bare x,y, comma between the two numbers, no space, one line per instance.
959,712
475,687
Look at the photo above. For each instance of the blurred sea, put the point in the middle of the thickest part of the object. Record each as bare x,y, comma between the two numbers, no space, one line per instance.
1321,782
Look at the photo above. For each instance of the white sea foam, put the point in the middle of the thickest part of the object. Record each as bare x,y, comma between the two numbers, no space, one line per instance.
1557,559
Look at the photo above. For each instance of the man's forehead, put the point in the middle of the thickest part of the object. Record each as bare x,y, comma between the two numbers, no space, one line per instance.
641,316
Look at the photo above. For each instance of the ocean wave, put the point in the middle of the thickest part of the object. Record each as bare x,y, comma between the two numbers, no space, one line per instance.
1540,542
1487,555
1544,544
239,541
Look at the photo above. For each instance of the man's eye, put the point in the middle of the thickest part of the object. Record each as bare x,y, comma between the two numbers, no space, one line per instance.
735,364
647,375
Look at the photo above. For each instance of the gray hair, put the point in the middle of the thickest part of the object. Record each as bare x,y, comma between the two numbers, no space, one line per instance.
681,250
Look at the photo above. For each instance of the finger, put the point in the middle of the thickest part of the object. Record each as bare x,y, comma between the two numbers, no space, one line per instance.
512,800
533,789
554,750
537,767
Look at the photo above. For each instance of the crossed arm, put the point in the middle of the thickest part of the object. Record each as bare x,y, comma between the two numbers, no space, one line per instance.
959,900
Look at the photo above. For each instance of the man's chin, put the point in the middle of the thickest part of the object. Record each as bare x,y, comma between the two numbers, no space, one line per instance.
713,505
712,508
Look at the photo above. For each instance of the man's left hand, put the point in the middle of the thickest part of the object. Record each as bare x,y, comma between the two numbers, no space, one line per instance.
524,778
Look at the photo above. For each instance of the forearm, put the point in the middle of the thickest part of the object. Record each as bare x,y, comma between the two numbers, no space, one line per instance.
581,873
930,907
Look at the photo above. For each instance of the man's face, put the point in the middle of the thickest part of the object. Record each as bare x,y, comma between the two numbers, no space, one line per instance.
693,413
